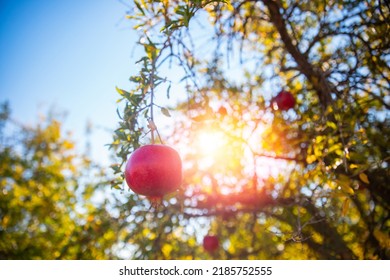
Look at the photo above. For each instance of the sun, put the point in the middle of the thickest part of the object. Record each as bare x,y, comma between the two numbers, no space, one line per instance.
210,144
211,141
230,148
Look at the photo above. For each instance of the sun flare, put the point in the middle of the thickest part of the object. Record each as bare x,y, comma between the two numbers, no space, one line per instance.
228,147
211,142
211,145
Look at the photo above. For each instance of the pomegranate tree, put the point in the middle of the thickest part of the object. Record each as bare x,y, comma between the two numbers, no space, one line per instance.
210,243
284,101
154,171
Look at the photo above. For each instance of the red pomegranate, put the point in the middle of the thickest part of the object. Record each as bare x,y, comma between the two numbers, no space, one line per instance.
284,101
154,170
210,243
222,111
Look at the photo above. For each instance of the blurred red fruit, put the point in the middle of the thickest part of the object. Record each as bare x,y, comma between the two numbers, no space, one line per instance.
210,243
222,111
284,101
154,171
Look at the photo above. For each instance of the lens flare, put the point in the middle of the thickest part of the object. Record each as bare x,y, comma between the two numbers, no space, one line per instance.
211,142
210,145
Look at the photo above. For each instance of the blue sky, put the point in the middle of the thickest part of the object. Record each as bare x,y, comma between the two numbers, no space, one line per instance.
67,56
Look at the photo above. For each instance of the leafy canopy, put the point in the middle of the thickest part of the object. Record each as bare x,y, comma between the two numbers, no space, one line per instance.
310,182
49,206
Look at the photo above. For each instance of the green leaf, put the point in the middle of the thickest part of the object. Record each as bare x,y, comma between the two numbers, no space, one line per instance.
135,79
139,7
143,59
121,134
165,112
116,168
119,115
117,187
169,91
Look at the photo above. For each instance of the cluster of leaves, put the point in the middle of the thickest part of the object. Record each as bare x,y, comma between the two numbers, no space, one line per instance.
49,206
329,197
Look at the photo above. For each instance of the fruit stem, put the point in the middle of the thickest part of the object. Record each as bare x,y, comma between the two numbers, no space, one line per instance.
153,128
155,201
151,98
151,81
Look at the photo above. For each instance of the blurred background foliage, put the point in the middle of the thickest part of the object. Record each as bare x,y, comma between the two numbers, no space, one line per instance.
308,183
51,204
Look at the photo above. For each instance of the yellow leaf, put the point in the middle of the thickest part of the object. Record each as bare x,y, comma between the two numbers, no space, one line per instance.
310,159
336,195
345,183
364,178
5,221
145,231
68,145
345,207
229,6
331,125
319,139
232,249
347,189
166,250
191,242
109,235
119,90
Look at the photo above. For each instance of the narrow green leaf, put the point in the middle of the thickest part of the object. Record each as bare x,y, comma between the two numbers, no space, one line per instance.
118,187
139,7
115,168
135,79
143,59
119,115
168,91
165,112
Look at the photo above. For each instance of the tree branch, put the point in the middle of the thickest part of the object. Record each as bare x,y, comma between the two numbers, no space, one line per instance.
314,75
